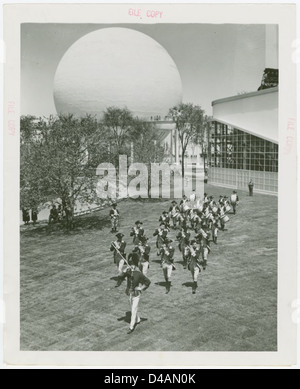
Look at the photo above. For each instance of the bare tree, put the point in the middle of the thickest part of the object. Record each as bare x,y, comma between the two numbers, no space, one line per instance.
189,120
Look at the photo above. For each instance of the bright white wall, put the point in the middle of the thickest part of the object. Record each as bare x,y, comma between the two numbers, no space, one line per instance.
256,113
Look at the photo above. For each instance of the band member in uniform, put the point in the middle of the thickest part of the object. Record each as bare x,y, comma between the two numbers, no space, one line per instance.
136,283
164,218
137,232
194,263
234,200
214,231
114,217
221,213
205,199
183,205
205,247
144,252
167,251
174,211
118,247
161,233
194,219
184,240
193,196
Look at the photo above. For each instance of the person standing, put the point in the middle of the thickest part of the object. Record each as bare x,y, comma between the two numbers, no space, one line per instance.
234,200
214,230
53,214
194,263
25,216
144,252
250,186
118,247
205,247
136,283
137,232
184,240
168,262
161,233
165,219
114,217
34,215
174,211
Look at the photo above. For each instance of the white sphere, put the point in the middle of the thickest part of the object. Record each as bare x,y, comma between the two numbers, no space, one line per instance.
116,67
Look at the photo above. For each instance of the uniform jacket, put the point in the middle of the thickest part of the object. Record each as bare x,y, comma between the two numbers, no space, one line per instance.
121,247
137,233
167,252
114,213
161,236
134,278
144,252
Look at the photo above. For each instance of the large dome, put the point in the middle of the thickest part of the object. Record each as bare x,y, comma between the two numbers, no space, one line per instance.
116,67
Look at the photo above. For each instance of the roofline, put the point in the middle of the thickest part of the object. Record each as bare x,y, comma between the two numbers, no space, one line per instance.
245,95
244,130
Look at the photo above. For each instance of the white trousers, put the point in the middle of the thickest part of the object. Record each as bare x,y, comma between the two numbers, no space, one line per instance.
134,303
195,273
120,267
167,269
145,267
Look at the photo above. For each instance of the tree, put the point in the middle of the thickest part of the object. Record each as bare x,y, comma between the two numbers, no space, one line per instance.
59,160
119,123
189,120
146,145
201,137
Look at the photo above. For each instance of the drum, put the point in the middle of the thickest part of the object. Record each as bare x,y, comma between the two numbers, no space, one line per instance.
225,218
215,209
228,208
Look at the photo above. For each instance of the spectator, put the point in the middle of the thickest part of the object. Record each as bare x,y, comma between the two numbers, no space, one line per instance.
34,215
26,216
53,215
250,186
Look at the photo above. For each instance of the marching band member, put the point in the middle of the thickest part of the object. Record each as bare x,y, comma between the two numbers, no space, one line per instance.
164,218
221,200
137,232
183,202
234,200
194,263
205,248
193,196
205,198
114,217
195,220
161,233
182,220
174,211
136,283
215,232
221,213
184,240
167,251
118,247
144,251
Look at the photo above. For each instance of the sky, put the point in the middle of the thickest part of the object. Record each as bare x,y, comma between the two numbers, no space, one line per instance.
214,61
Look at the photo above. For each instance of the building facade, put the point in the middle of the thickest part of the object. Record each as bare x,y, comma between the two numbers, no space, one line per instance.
243,141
